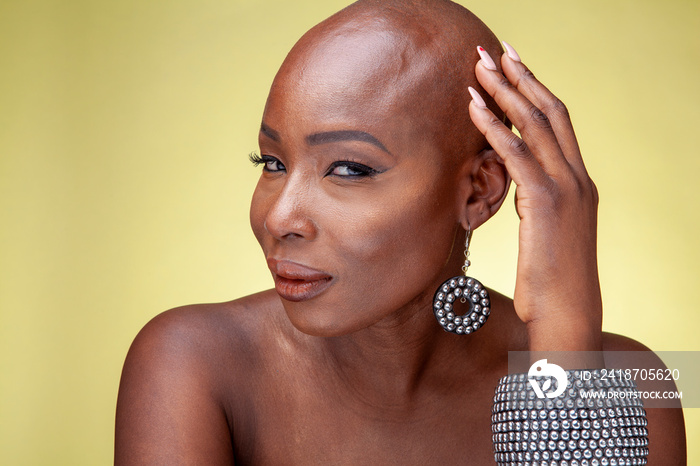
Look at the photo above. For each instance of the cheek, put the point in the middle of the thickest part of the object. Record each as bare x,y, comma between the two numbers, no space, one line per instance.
392,253
258,210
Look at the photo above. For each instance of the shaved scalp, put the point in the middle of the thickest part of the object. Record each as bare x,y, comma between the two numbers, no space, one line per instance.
421,51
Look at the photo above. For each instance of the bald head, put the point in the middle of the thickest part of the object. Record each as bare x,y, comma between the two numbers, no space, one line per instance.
399,59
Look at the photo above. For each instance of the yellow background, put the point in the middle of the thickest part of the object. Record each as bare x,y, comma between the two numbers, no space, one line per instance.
124,182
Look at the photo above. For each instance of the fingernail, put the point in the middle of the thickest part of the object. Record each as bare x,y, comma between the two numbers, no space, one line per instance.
476,98
486,59
510,51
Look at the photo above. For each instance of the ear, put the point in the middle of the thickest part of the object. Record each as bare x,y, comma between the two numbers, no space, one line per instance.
487,185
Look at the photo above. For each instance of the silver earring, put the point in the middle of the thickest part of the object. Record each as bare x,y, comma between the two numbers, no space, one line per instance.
467,290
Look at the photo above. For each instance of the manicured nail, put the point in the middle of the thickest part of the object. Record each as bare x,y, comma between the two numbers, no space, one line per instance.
478,101
510,51
486,59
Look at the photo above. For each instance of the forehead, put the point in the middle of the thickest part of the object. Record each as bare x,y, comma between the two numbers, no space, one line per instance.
358,71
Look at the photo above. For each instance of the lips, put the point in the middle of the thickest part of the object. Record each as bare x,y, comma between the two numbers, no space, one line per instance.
296,282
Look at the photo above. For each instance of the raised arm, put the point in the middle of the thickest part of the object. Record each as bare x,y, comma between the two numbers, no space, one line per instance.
557,292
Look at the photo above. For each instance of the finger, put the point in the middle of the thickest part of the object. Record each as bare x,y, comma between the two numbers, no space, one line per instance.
537,93
531,122
521,164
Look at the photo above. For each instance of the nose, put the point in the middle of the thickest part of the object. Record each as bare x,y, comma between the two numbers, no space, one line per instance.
291,211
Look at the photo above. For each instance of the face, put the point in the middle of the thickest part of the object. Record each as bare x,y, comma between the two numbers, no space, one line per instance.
356,209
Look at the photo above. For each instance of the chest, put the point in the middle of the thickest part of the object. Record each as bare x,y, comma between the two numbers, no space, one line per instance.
316,426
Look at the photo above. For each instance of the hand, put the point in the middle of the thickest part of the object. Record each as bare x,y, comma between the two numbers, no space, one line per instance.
557,291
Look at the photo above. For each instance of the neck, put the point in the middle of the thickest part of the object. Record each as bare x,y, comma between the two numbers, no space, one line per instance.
403,358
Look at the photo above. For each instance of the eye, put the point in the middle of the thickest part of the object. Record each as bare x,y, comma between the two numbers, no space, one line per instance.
270,164
350,169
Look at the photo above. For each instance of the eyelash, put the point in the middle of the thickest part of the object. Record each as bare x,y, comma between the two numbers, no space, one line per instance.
255,159
361,169
263,160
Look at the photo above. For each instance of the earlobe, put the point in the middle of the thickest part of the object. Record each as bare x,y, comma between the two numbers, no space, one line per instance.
489,181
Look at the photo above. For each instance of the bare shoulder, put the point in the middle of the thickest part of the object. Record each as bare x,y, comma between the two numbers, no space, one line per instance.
183,373
200,328
667,443
208,335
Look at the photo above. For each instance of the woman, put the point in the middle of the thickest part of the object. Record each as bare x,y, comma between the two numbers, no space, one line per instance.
377,166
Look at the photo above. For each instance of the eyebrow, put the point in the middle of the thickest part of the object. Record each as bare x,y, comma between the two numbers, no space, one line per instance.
329,137
344,135
269,132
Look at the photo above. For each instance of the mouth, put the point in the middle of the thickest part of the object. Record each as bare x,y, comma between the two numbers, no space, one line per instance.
296,282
